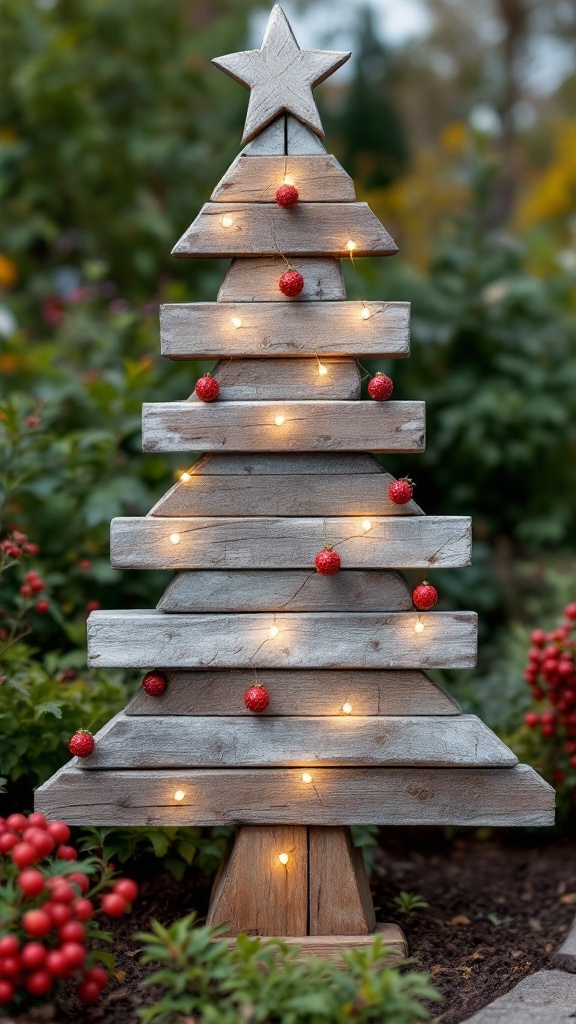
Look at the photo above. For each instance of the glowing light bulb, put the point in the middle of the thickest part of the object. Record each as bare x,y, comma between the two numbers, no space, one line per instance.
174,538
322,370
273,631
283,858
279,420
366,525
179,795
227,222
365,314
351,245
288,179
419,627
236,321
306,777
185,478
347,708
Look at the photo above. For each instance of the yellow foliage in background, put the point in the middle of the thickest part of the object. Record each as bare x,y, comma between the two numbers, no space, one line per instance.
552,195
8,272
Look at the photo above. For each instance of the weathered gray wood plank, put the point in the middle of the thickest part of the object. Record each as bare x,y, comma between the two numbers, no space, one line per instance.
262,229
221,542
171,741
133,639
300,140
206,330
339,898
271,141
297,590
256,280
301,426
277,380
277,796
255,179
292,692
298,463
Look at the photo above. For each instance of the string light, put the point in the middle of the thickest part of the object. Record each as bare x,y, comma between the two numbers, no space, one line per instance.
365,314
185,478
236,321
273,631
306,777
366,525
347,708
288,179
419,627
174,538
179,795
227,222
351,246
279,420
283,858
322,370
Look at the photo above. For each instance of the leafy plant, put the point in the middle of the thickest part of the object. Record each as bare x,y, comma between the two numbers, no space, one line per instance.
176,848
409,902
264,981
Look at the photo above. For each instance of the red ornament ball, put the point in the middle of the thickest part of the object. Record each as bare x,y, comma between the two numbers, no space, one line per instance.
380,387
425,596
257,698
401,491
81,743
291,283
328,562
207,389
154,683
287,196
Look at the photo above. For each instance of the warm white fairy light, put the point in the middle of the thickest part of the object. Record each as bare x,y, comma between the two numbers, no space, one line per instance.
283,858
419,627
185,478
347,708
279,420
174,538
236,321
322,370
227,222
306,777
273,631
365,314
366,525
179,795
351,246
288,179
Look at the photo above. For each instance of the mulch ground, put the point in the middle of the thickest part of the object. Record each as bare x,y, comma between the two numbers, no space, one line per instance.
498,908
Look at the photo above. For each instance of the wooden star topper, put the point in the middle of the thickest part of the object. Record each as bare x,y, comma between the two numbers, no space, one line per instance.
280,76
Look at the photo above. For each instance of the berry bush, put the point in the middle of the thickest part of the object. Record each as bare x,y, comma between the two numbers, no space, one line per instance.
52,909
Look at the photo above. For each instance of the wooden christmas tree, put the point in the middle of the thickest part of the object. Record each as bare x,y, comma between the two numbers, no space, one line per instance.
354,730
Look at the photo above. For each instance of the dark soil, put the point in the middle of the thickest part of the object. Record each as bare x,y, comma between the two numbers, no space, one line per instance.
498,908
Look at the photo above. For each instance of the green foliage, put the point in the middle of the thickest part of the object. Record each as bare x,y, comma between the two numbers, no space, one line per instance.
409,902
262,981
175,848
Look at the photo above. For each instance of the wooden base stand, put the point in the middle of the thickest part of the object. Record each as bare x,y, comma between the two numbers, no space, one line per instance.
304,884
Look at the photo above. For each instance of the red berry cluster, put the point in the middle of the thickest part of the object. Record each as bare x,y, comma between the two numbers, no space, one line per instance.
48,910
551,675
17,544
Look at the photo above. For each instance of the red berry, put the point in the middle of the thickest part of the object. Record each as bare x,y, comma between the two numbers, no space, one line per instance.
401,491
548,717
7,991
207,389
32,956
31,882
84,909
79,879
88,992
328,562
127,887
56,964
62,893
291,283
39,983
570,611
16,822
74,955
256,699
573,761
425,596
42,842
42,606
154,683
72,931
10,966
93,606
24,854
59,831
548,730
380,387
531,718
37,820
538,693
98,975
7,841
113,904
9,946
287,196
66,853
36,923
81,743
59,913
538,637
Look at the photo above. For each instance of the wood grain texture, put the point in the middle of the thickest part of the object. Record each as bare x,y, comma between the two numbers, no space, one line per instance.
300,693
300,141
262,229
223,542
307,426
277,796
339,899
256,280
255,179
256,893
332,947
285,463
135,639
271,141
204,330
166,741
296,590
268,379
293,692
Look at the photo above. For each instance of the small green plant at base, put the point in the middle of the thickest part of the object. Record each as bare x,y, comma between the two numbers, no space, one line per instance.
256,980
176,848
408,902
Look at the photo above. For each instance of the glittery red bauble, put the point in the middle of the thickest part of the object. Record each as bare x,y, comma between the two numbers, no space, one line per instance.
81,743
257,698
425,596
328,562
401,491
291,283
380,387
207,389
287,196
154,683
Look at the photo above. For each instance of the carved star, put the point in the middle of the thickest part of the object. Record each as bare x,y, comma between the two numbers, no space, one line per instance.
280,76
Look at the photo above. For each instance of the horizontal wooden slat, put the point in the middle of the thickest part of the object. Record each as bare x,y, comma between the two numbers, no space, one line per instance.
332,947
255,179
204,330
268,379
307,426
298,693
297,590
262,229
277,796
285,463
132,639
221,542
167,741
256,280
